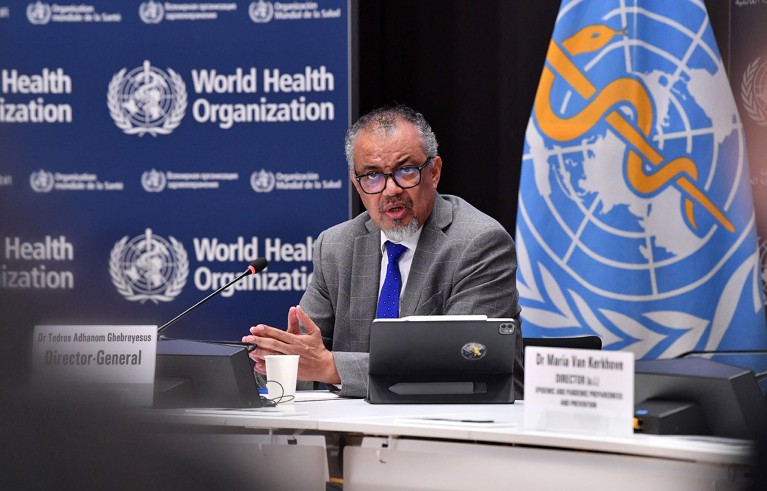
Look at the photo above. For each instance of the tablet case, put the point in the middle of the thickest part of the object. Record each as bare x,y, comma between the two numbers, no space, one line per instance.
432,360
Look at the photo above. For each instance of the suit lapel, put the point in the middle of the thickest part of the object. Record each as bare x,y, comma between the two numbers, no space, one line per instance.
366,269
429,243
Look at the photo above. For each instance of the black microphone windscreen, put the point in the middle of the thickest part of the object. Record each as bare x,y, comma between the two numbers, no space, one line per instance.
257,265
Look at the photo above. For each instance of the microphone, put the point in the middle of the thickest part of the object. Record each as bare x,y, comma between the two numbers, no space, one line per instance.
256,266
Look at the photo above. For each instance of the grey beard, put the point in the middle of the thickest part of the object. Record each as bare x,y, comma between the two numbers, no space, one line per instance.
400,233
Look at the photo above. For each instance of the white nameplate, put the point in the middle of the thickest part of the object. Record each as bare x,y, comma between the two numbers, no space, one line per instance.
118,361
579,390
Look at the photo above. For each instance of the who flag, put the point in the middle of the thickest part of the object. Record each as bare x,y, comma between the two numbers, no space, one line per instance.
635,218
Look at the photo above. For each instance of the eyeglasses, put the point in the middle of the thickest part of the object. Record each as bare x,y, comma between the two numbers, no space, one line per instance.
404,177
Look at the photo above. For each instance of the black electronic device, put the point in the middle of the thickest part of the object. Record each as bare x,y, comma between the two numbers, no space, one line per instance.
200,374
697,396
436,360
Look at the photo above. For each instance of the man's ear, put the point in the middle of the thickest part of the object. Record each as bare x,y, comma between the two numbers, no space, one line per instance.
436,170
354,182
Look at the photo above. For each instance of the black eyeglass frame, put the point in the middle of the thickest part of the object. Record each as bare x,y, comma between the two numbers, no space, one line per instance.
420,169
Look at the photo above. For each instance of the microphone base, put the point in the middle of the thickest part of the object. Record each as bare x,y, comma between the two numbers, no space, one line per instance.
197,374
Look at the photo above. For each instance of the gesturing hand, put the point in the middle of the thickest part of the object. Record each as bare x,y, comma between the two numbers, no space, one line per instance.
315,362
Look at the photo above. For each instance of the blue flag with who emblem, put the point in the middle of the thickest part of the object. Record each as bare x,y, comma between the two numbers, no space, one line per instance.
635,218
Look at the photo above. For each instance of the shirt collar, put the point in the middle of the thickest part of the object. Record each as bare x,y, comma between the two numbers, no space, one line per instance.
411,242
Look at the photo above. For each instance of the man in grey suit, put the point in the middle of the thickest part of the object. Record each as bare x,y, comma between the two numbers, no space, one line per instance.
457,259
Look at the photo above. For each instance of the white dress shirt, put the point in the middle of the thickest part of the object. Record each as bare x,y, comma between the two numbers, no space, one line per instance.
405,261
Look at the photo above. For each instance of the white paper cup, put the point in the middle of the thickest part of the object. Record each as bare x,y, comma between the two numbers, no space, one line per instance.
281,376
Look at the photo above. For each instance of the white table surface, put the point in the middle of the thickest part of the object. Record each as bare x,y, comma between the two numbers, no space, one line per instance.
337,415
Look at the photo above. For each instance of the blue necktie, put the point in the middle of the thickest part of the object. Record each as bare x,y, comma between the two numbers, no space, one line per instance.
388,301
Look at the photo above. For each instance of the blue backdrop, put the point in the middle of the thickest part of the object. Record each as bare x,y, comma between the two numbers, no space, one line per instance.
150,150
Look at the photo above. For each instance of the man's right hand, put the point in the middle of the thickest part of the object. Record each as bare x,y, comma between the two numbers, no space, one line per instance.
316,363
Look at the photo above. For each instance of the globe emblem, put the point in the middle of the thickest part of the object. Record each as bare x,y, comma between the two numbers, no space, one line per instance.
262,181
753,91
41,181
261,11
153,181
473,351
147,95
38,13
149,267
148,264
147,100
151,12
647,175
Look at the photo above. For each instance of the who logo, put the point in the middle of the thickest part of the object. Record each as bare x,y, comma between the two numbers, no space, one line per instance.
635,216
153,181
151,12
38,13
262,181
41,181
147,100
149,268
261,12
753,91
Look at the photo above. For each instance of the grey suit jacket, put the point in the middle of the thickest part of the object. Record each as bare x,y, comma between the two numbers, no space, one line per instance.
465,263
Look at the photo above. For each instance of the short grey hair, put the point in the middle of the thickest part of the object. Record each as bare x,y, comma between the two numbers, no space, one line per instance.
384,120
